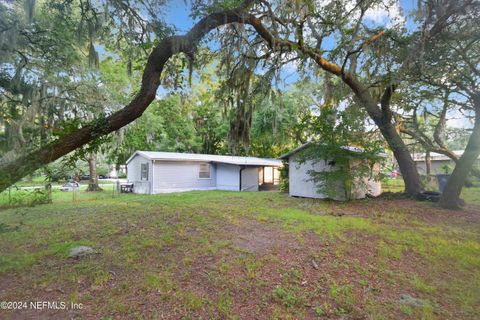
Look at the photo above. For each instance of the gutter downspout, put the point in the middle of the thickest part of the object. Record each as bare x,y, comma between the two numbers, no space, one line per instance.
153,177
240,180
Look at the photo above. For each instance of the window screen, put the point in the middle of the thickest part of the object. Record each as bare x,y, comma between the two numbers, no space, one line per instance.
204,172
144,171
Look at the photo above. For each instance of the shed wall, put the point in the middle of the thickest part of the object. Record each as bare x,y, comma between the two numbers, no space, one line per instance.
366,185
300,184
134,174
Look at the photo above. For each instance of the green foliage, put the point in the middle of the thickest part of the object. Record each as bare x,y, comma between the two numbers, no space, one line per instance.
224,303
22,197
343,296
59,82
447,168
346,153
283,186
287,297
282,121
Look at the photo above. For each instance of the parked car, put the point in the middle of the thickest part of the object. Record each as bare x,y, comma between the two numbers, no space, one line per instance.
70,186
84,177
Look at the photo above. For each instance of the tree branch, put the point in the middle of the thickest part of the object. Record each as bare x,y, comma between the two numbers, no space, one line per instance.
12,171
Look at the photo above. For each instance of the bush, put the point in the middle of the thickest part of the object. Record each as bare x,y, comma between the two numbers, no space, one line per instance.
26,197
102,169
429,183
283,186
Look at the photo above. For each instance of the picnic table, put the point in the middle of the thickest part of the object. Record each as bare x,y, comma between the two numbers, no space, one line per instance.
126,187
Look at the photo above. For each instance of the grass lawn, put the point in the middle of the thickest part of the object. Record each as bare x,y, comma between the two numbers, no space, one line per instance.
230,255
471,195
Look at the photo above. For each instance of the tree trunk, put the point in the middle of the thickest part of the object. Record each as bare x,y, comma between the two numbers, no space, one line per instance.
12,171
92,166
450,198
408,169
117,169
428,163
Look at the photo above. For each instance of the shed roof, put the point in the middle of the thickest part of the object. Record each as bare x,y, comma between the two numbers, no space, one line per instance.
177,156
305,145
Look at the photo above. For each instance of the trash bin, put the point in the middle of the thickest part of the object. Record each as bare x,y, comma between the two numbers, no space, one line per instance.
442,180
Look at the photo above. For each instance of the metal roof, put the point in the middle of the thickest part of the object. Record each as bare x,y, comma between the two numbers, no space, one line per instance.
305,145
177,156
434,156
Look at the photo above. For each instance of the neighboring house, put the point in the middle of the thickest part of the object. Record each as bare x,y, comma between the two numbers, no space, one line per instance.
113,173
439,162
300,183
159,172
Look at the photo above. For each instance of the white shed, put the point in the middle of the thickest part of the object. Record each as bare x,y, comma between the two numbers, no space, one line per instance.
301,183
161,172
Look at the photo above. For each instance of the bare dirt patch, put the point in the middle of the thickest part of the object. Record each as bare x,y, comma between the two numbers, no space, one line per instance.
217,264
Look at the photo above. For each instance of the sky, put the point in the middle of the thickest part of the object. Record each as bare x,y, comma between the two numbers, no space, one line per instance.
177,14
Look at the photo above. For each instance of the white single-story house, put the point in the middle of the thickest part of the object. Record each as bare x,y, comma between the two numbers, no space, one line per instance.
300,182
160,172
439,162
113,173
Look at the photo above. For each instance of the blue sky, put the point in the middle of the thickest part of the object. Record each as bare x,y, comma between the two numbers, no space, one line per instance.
178,12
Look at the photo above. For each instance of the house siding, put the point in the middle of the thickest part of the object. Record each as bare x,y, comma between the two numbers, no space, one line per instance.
436,167
170,176
228,177
134,174
250,179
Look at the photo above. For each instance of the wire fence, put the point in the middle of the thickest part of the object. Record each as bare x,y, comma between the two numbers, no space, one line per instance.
27,196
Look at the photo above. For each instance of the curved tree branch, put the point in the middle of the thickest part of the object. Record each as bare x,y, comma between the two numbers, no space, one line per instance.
12,171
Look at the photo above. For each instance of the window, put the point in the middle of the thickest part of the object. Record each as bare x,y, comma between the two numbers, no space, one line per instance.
144,171
204,172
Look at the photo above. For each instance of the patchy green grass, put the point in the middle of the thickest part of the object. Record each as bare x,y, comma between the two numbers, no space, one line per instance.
393,185
471,194
241,255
